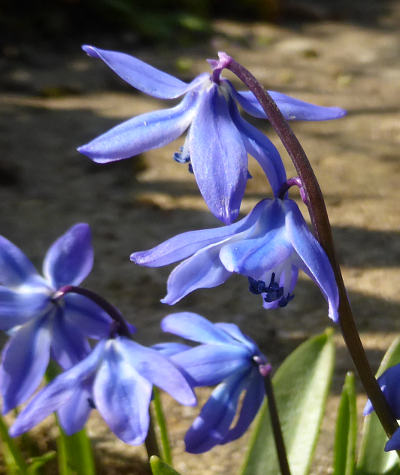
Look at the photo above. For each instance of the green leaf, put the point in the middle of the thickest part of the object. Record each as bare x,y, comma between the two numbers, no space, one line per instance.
301,387
158,467
12,456
162,427
373,459
344,453
36,463
75,455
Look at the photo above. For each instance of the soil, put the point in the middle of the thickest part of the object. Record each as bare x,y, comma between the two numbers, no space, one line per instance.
53,102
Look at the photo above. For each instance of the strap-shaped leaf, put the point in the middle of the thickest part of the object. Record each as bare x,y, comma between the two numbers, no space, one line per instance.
158,467
301,387
344,454
373,459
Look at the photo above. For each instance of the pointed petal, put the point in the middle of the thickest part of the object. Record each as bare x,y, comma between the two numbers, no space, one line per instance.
193,326
170,348
70,258
24,362
15,267
235,332
74,413
389,384
201,271
209,364
86,316
16,308
251,404
58,392
262,149
68,346
122,397
184,245
394,442
141,75
154,367
142,133
314,260
218,156
212,424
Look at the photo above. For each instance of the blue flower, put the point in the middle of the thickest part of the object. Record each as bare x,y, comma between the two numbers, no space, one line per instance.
389,383
268,246
39,324
225,357
116,378
218,140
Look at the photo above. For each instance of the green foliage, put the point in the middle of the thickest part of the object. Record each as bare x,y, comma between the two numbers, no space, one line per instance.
158,467
301,387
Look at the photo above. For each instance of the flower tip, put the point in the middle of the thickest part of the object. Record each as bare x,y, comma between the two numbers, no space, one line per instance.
90,51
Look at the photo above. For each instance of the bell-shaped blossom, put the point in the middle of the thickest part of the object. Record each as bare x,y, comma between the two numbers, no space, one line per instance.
268,246
226,357
218,140
389,383
116,378
39,324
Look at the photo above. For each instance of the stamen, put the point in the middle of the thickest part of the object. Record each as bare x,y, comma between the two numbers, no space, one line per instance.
285,300
256,286
182,156
91,403
273,291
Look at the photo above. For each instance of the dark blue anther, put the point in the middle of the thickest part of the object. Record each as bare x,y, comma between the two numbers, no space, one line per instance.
273,291
180,157
256,286
91,403
285,300
190,168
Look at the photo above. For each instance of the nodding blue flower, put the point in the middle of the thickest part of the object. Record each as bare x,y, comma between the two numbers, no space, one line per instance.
268,246
218,139
389,383
225,357
116,378
40,324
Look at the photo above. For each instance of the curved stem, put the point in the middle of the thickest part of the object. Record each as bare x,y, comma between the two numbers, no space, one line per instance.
322,230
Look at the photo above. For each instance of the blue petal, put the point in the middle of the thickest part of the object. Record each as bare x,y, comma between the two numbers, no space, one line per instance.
235,332
201,271
389,384
154,367
262,149
122,397
24,362
58,392
315,262
70,258
218,156
394,442
68,346
291,108
209,364
16,308
141,75
15,267
251,404
193,326
170,348
184,245
211,426
86,316
144,132
74,413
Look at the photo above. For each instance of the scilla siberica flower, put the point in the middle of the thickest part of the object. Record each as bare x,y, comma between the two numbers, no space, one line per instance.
389,383
268,246
218,140
39,325
116,378
225,357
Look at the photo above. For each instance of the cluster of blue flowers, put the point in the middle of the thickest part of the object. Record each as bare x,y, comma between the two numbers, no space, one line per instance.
50,316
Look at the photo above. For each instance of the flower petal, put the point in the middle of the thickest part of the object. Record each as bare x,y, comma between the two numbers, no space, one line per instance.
211,426
235,332
314,260
154,367
218,156
15,267
141,75
74,413
122,396
70,258
24,362
16,308
201,271
86,316
170,348
389,384
144,132
193,326
58,392
209,364
184,245
394,442
262,149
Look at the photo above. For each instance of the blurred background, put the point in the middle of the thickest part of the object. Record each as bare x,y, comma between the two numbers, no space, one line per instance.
54,98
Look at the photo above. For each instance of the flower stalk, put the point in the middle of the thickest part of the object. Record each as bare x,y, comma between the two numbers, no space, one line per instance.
323,232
